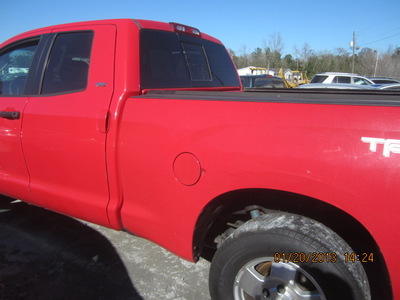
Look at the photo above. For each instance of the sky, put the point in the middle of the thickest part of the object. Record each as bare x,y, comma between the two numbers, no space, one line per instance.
242,25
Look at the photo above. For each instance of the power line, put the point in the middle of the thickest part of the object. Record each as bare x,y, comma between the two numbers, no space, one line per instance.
379,40
375,31
389,31
379,23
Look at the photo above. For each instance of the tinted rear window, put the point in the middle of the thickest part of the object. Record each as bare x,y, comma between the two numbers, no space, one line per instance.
269,82
318,79
263,82
171,60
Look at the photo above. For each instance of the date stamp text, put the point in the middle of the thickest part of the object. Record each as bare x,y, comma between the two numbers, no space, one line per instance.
322,257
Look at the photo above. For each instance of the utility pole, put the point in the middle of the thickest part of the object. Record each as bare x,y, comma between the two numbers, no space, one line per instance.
353,45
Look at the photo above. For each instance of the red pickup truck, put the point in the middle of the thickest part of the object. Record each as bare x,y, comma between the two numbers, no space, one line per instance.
142,126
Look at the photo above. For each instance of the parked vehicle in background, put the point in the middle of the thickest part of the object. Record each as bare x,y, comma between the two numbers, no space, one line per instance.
384,80
341,86
344,86
345,78
388,86
262,81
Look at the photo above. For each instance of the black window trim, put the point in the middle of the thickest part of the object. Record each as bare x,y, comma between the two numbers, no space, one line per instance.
35,77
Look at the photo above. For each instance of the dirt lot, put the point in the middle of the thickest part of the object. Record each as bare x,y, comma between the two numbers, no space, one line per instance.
44,255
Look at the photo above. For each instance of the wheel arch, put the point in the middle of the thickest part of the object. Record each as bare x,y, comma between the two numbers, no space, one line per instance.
237,206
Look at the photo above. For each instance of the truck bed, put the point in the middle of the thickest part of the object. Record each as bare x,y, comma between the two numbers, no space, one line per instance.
342,97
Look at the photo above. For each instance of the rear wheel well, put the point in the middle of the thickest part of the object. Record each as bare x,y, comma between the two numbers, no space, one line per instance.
232,209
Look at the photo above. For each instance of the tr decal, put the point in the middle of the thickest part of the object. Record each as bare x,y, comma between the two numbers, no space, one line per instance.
389,145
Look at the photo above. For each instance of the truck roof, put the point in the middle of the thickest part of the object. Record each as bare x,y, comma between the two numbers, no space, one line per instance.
140,24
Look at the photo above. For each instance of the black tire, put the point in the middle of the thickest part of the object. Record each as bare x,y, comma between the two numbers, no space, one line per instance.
285,256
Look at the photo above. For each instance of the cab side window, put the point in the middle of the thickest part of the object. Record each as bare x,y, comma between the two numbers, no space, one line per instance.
15,64
68,64
360,81
342,79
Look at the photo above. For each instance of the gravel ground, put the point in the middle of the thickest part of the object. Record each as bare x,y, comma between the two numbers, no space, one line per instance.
44,255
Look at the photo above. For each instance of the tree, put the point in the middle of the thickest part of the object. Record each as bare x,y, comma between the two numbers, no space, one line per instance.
273,50
234,57
276,42
258,58
305,52
368,61
276,48
388,64
289,62
243,60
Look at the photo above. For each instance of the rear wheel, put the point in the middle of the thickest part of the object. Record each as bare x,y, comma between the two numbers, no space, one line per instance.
285,256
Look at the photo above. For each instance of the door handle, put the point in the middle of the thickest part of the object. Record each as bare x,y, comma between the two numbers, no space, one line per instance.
10,115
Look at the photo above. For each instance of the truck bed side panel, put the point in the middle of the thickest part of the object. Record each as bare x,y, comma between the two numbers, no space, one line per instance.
316,150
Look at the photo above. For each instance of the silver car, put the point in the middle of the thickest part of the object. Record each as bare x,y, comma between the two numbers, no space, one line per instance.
341,78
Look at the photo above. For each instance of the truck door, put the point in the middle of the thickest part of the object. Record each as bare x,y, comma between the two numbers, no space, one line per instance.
15,63
64,130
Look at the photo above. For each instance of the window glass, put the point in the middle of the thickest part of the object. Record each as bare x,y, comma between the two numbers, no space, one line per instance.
162,61
68,65
384,81
197,62
343,79
319,79
223,70
246,82
268,82
278,84
14,68
263,82
171,60
361,81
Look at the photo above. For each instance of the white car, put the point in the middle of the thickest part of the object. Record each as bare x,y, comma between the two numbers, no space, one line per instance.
345,78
